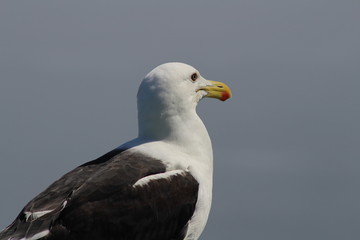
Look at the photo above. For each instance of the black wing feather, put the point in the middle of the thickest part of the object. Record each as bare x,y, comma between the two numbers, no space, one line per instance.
98,201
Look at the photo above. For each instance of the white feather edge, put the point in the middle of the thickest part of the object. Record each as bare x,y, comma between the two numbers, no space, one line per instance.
37,235
34,216
31,216
145,180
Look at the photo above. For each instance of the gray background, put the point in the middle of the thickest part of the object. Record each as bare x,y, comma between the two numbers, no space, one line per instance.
287,145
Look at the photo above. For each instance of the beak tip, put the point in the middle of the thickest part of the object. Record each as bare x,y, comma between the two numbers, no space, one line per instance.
225,96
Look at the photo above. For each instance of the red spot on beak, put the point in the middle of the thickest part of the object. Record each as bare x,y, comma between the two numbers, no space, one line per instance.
225,96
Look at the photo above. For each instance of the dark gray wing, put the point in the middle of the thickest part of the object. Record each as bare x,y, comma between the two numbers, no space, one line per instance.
98,201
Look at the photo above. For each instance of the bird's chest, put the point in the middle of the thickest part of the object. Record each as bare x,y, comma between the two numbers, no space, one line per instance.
203,173
198,221
201,169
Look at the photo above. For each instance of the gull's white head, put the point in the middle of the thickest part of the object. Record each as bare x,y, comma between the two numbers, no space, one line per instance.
169,93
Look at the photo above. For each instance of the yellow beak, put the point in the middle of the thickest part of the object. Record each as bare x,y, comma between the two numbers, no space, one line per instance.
217,90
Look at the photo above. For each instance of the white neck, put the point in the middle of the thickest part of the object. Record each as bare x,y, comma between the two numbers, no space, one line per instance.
186,130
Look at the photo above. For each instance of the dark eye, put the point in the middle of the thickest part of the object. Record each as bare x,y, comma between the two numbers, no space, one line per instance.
194,76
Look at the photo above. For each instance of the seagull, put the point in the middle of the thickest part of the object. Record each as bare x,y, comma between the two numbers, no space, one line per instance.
157,186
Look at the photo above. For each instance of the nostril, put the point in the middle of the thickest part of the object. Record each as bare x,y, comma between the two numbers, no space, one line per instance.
219,86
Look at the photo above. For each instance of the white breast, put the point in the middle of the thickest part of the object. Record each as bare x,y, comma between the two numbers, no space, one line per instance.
200,167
